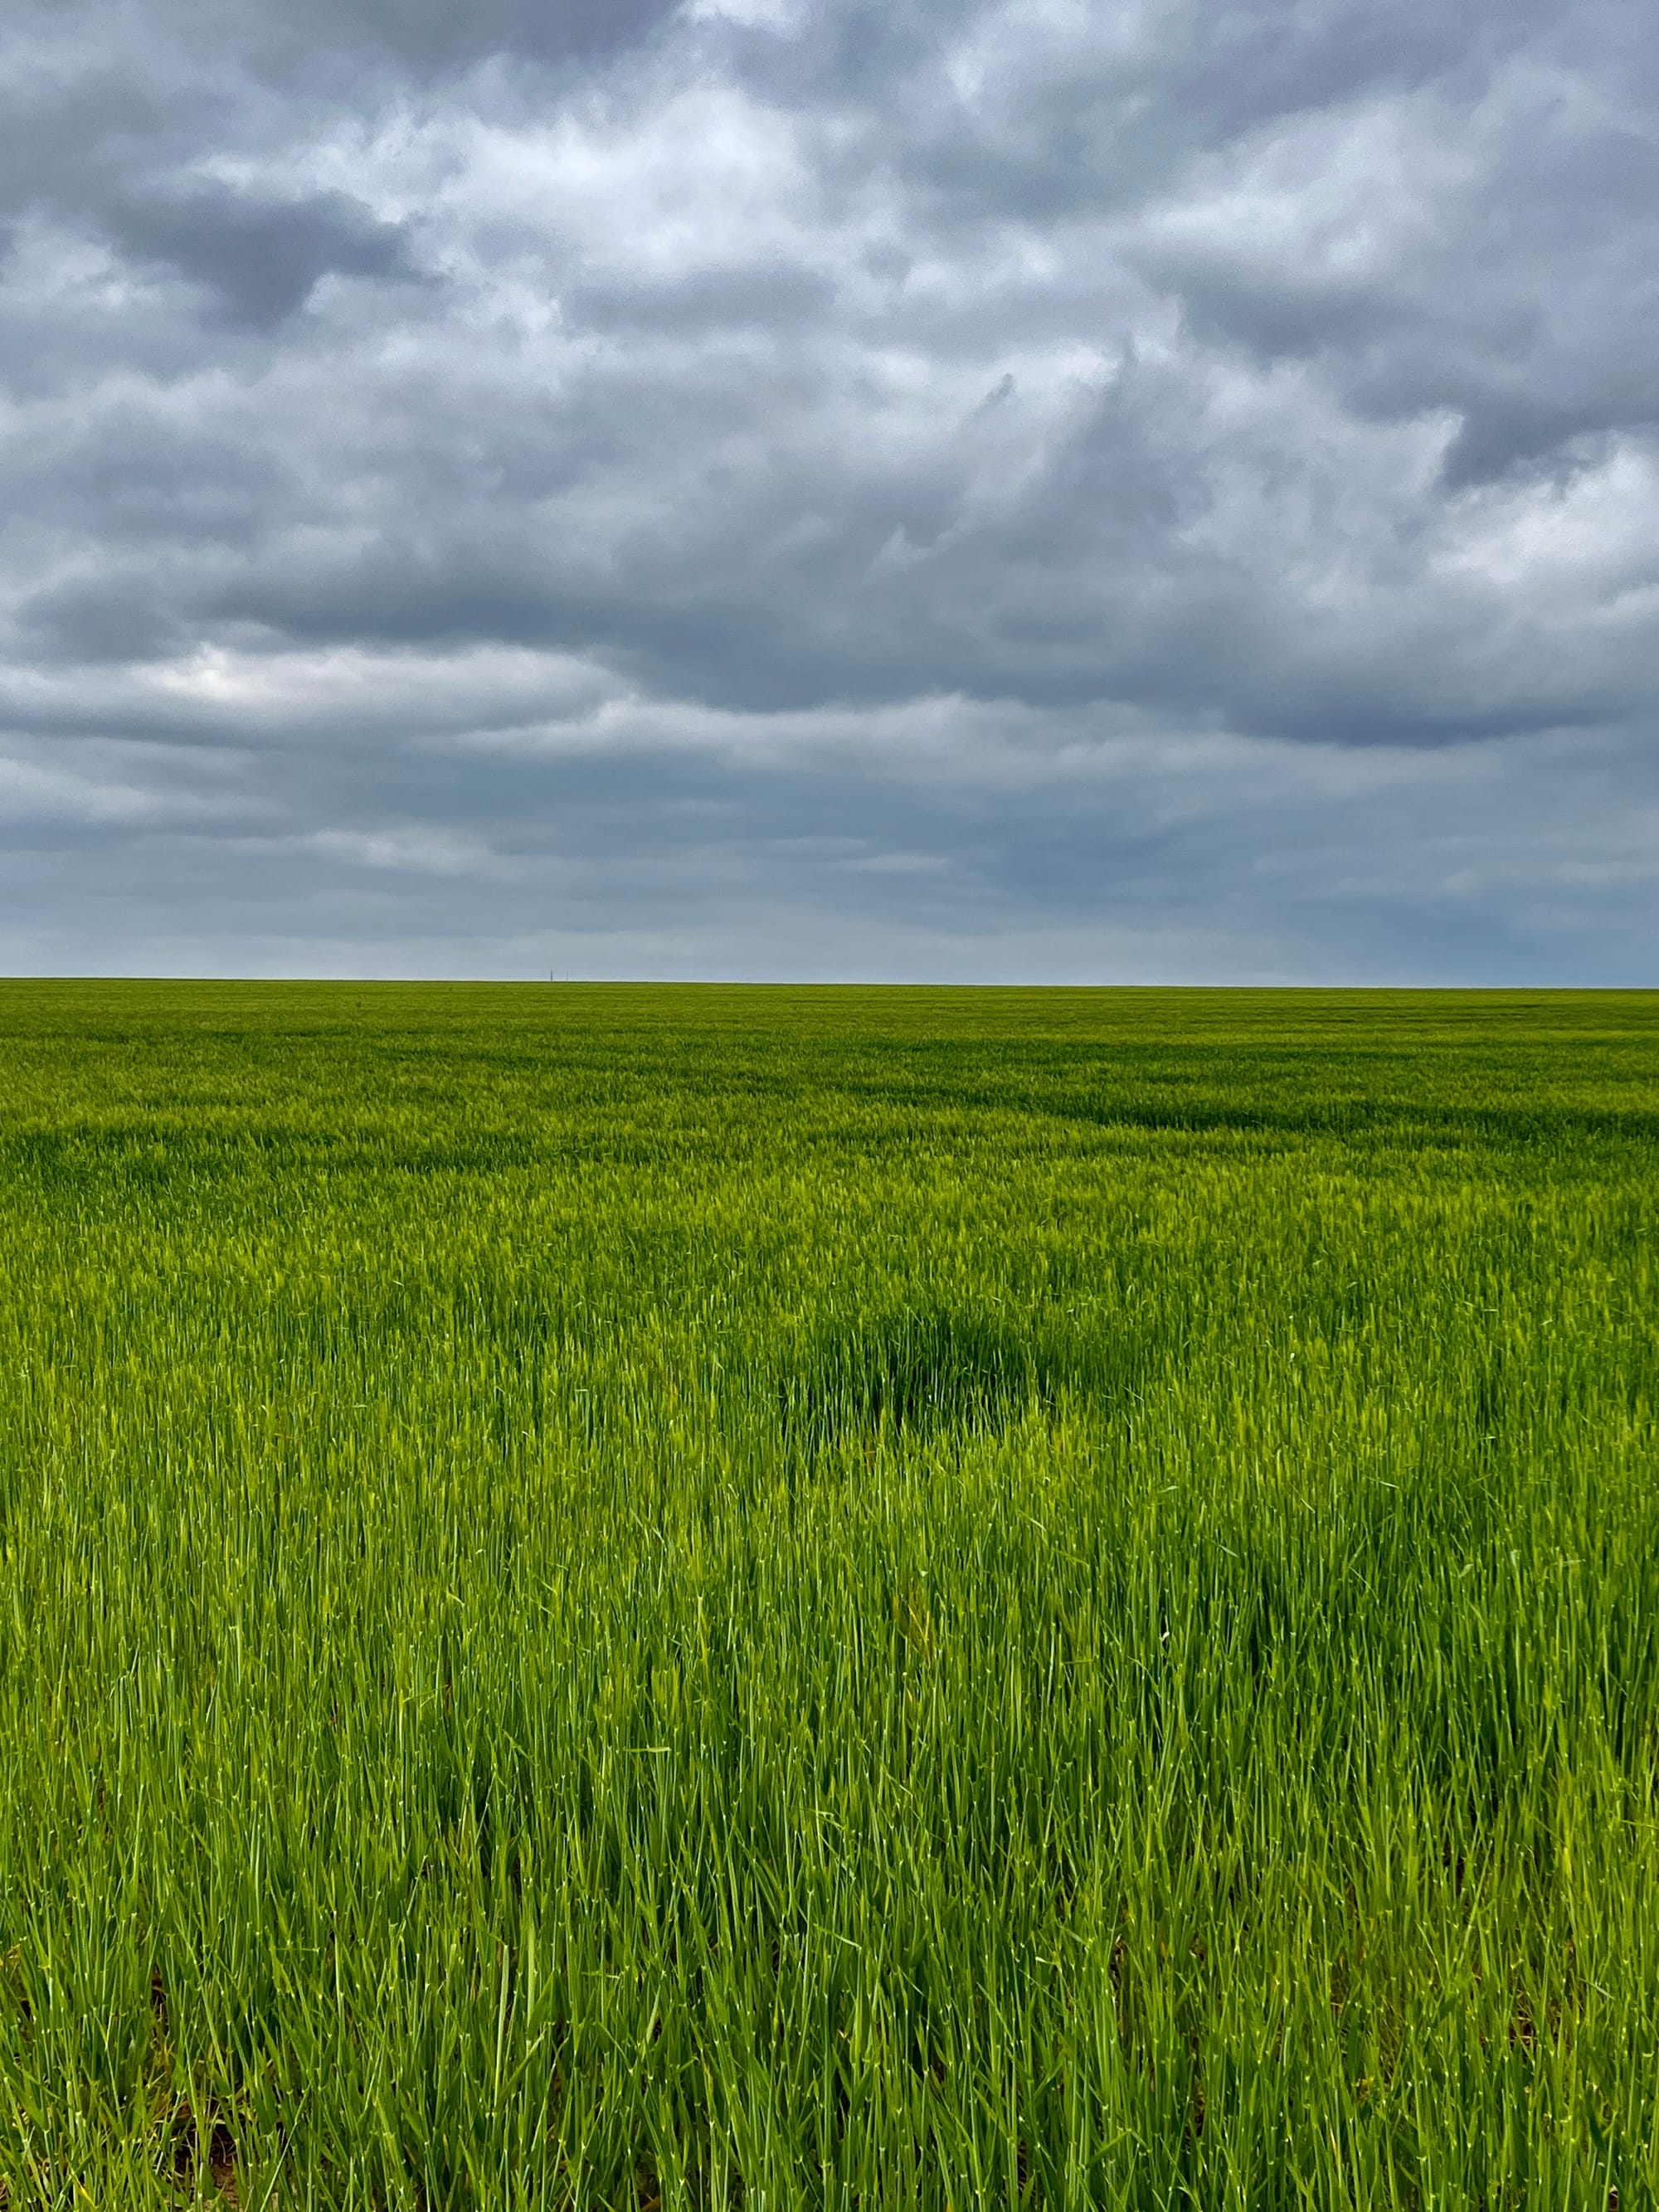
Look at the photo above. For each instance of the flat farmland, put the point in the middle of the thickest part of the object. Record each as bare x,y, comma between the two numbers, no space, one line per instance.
664,1597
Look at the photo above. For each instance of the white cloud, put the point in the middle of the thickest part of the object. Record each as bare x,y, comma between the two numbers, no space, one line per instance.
410,849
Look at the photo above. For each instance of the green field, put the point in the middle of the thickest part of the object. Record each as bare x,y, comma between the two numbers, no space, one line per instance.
628,1597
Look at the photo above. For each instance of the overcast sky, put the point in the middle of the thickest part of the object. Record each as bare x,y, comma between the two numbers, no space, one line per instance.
1057,490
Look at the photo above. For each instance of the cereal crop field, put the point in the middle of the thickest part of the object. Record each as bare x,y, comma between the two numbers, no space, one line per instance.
617,1597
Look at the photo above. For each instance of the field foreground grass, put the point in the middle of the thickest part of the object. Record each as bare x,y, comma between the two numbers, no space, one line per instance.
650,1598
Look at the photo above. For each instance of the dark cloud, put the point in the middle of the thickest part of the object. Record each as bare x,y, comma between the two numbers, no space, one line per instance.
943,486
428,40
259,259
107,617
318,44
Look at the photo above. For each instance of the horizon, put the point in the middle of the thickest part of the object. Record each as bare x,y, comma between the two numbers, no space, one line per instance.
693,983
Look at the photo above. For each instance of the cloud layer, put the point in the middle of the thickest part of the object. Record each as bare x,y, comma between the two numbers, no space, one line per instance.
933,488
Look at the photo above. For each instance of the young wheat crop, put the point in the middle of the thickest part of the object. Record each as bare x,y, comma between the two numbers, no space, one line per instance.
652,1598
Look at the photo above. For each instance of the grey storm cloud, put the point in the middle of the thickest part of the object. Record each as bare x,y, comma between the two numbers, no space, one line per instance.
958,486
261,259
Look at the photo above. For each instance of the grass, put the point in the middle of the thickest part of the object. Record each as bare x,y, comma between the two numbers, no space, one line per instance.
647,1598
